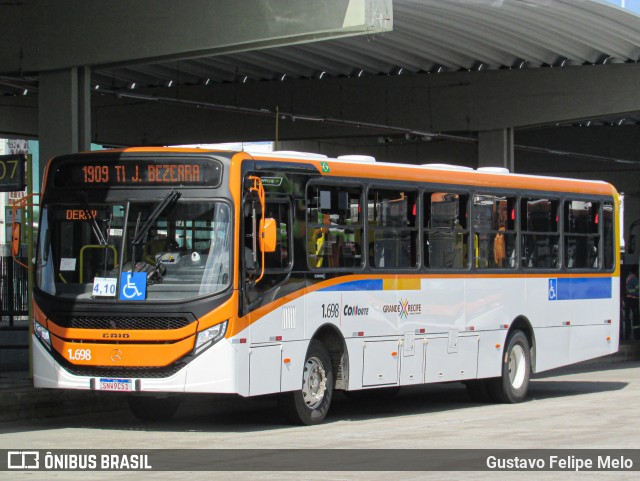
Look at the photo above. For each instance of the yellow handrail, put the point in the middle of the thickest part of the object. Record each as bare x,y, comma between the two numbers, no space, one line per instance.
259,189
95,246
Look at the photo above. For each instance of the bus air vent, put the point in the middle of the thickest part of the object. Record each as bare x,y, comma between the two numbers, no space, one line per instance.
445,167
121,322
357,158
493,170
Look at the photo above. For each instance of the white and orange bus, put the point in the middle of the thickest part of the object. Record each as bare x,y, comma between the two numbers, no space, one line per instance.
167,271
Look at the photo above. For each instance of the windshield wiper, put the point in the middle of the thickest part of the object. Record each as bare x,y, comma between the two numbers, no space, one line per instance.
94,224
139,234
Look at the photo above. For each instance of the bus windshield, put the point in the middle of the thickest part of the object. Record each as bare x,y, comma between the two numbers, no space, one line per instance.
87,249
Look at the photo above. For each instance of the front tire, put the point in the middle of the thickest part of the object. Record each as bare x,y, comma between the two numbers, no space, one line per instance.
513,385
310,404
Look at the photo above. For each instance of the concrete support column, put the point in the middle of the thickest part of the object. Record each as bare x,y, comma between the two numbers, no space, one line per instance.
64,113
495,149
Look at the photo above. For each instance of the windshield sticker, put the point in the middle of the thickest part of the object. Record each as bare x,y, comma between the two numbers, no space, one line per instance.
133,286
104,286
68,264
271,181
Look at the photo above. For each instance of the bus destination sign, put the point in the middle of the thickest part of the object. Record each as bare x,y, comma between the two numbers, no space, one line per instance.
139,173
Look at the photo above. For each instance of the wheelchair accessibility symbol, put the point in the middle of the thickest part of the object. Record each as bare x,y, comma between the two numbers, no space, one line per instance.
133,286
553,289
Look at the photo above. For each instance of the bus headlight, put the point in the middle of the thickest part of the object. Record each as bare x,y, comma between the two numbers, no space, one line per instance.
209,337
42,333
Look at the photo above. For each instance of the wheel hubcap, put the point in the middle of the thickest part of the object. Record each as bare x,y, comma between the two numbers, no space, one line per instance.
314,383
517,366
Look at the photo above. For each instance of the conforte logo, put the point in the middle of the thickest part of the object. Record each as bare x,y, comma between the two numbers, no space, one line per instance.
403,308
355,310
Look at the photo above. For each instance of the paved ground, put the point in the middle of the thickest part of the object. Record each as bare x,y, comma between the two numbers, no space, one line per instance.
589,406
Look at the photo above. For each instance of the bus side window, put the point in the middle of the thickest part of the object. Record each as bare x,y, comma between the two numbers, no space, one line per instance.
251,263
582,237
392,223
494,231
279,262
281,257
334,226
447,232
608,233
540,236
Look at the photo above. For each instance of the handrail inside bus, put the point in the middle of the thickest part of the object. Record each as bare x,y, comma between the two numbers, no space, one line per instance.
95,246
258,188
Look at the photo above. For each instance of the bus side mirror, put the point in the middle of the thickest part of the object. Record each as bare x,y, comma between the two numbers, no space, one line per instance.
15,239
268,235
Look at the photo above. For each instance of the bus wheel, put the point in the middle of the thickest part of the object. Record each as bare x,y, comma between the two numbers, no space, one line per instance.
148,408
512,387
310,404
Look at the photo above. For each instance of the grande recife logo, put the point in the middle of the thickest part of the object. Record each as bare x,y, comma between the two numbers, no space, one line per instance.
403,308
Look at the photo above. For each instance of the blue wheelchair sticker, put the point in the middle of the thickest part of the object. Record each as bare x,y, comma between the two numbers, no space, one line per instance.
133,286
553,289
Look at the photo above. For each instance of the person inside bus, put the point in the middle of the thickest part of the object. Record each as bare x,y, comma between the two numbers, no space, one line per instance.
321,244
158,244
499,245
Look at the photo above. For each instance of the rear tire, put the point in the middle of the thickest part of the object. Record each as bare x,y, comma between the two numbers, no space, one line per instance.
513,385
310,404
148,408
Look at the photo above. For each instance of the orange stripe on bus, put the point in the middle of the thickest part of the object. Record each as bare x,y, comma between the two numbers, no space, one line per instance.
244,322
126,355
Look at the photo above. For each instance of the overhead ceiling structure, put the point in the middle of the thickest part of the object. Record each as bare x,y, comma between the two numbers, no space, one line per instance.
428,36
447,70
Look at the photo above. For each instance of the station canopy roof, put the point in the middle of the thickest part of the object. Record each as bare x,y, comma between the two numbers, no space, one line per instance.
428,36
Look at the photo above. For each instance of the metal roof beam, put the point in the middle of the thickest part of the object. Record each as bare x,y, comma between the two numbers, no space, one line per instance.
42,35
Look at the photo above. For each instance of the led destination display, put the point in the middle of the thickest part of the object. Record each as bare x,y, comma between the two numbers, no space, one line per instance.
139,173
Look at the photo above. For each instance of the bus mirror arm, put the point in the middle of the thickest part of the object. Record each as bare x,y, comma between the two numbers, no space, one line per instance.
16,227
16,235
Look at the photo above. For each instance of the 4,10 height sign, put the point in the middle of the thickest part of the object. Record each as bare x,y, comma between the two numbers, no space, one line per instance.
12,177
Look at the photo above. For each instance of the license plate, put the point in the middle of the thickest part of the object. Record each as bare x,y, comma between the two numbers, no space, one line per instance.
106,384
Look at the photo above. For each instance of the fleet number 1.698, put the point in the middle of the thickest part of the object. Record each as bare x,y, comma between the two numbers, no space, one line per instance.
79,354
330,310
